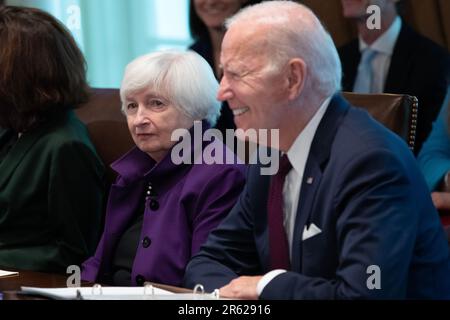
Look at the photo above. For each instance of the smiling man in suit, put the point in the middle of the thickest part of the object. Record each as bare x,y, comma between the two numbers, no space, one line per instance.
395,59
347,206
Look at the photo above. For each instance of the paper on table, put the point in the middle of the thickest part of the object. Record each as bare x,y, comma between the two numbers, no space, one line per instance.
4,273
114,293
110,293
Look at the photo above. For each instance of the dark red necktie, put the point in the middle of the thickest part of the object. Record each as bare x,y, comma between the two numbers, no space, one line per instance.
278,243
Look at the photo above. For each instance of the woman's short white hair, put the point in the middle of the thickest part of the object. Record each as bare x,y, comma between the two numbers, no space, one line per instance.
184,78
296,32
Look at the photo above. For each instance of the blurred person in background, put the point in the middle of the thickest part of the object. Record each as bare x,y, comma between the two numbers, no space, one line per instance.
395,59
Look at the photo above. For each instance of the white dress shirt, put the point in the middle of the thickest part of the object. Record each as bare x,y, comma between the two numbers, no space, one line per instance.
298,154
384,47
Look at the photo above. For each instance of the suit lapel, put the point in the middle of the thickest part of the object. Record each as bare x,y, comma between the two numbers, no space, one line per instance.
123,202
306,200
397,77
315,165
350,57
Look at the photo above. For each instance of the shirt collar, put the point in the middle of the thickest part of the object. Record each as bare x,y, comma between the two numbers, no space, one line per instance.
386,42
299,151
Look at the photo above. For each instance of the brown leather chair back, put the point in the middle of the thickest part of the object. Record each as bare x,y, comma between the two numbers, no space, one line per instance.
397,112
107,126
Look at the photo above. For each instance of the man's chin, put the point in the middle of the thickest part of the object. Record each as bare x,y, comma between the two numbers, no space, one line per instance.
359,18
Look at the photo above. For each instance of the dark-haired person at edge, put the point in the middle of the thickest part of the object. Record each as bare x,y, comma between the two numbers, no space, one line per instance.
51,179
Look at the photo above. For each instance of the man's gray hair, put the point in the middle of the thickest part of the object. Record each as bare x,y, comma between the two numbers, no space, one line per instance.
184,78
295,32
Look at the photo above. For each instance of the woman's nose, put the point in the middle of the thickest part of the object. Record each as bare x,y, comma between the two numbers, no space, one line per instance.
141,117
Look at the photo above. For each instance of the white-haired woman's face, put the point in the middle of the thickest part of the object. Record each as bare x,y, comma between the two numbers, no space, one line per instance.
213,13
151,120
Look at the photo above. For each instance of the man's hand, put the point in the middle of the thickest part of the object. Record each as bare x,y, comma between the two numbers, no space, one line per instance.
241,288
441,200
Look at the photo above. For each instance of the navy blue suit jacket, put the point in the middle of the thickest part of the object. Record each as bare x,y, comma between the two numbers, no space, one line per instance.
370,201
419,67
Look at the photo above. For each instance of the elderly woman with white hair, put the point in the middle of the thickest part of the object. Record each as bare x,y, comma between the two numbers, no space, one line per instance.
160,213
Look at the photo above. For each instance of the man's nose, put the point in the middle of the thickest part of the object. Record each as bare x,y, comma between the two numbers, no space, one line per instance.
225,92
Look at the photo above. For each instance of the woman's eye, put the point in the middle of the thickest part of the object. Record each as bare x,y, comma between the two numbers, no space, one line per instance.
131,105
156,103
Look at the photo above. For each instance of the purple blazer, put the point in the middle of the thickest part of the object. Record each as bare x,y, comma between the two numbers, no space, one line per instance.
190,201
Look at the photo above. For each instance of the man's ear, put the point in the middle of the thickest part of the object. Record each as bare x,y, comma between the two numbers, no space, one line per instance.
296,77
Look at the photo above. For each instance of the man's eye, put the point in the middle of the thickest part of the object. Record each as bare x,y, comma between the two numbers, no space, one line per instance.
234,75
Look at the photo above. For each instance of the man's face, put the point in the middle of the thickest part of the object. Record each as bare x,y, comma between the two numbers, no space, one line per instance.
357,8
256,97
